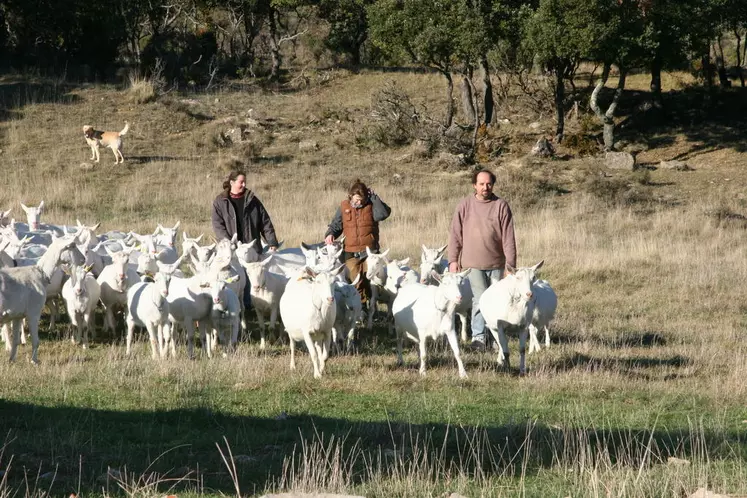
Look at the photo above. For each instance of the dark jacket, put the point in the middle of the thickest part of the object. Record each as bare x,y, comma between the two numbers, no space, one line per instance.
380,212
256,220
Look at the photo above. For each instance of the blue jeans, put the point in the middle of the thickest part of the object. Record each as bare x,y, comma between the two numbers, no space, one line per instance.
480,280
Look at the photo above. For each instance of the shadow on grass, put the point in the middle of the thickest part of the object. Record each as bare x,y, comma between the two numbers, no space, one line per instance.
645,339
624,365
72,448
153,159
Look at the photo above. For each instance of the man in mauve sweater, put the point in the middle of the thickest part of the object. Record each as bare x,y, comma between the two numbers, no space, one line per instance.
482,238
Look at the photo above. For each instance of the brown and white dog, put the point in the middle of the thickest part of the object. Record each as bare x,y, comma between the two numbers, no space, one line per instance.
111,139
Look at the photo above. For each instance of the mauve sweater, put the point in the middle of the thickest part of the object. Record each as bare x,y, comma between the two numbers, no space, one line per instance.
482,234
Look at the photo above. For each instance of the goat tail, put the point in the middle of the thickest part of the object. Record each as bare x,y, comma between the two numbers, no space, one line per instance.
125,129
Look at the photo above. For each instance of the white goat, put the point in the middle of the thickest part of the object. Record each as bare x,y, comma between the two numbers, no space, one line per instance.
509,303
33,215
188,243
81,292
430,261
23,292
147,306
266,289
115,279
423,311
164,239
225,315
545,304
376,275
189,301
348,311
308,310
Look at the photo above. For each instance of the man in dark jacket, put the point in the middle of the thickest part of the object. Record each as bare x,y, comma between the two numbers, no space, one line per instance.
237,210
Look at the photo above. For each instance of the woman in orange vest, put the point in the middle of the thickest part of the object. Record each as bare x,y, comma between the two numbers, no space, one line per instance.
358,219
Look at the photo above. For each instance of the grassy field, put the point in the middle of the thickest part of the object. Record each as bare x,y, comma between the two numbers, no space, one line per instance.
642,392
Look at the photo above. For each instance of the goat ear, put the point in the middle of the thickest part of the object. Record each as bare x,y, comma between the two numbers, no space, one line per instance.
199,238
304,247
383,254
96,226
78,222
424,249
440,250
159,228
41,206
337,271
538,265
341,239
357,279
25,208
403,262
177,225
368,251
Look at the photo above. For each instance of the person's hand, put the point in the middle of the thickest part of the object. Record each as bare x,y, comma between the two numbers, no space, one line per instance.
329,239
371,192
453,267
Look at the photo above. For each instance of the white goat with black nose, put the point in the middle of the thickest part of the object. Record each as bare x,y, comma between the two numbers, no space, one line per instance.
81,292
308,310
427,311
509,304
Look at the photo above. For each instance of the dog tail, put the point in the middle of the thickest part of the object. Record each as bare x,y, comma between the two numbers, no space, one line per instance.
124,130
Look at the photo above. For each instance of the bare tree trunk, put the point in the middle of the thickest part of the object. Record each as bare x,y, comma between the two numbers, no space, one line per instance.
487,87
608,118
559,98
723,79
449,99
705,61
655,87
274,47
467,98
476,120
738,36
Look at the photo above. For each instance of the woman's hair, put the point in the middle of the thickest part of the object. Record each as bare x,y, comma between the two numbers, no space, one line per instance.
231,177
358,188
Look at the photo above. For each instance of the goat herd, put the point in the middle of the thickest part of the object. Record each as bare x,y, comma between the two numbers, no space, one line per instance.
140,276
